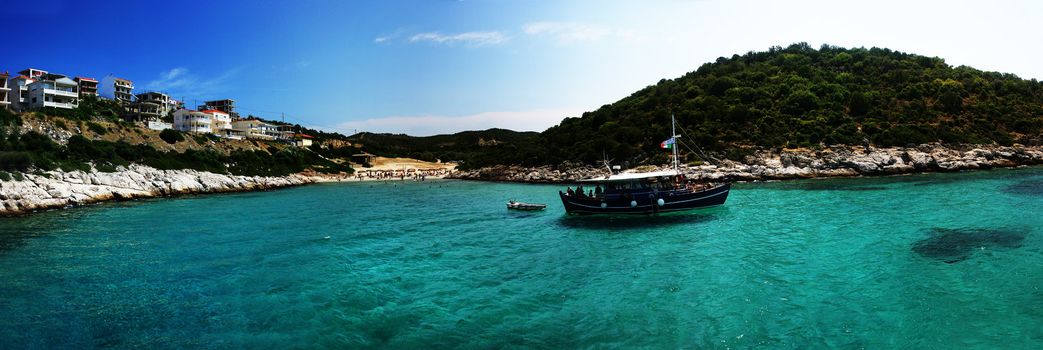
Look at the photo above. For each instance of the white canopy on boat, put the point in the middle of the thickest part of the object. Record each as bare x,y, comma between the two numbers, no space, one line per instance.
631,176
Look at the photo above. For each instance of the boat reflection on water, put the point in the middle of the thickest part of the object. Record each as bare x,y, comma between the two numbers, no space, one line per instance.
622,223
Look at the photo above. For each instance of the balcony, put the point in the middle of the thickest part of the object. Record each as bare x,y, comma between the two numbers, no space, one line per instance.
59,105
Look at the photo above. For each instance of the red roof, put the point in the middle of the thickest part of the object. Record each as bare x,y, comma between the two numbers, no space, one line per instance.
306,136
214,111
86,79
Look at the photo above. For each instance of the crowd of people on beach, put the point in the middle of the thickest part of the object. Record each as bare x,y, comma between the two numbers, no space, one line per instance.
401,175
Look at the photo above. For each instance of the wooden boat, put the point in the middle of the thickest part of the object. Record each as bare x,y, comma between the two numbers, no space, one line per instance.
525,206
644,193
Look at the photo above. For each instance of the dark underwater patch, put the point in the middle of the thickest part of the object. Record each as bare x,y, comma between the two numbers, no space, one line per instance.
1032,187
955,245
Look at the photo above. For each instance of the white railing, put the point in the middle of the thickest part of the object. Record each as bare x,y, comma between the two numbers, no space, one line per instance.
61,92
59,105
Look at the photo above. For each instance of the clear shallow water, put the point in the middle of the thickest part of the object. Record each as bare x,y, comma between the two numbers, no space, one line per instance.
799,264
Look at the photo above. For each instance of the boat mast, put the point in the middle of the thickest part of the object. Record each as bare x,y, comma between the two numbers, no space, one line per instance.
673,134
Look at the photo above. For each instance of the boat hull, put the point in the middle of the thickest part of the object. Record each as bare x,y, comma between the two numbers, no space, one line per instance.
645,202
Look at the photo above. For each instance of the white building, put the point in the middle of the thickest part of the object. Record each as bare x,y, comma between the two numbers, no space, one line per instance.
221,124
53,90
256,129
19,91
301,140
117,89
5,91
192,121
19,85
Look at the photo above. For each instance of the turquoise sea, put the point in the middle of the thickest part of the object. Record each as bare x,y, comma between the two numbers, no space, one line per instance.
934,261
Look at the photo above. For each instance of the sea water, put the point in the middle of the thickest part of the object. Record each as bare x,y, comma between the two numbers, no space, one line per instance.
918,261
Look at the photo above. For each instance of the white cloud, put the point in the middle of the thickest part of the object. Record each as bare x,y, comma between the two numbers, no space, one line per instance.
569,32
468,38
534,120
172,79
381,39
181,82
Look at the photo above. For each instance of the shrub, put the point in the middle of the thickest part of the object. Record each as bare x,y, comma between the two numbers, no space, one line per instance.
97,128
17,161
5,176
171,136
105,167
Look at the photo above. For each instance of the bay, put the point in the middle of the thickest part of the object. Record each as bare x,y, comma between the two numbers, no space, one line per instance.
917,261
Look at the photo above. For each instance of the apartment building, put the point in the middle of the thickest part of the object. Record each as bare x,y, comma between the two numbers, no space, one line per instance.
19,85
226,105
256,129
87,86
19,91
5,91
53,90
157,98
145,111
117,89
33,73
175,104
220,119
193,121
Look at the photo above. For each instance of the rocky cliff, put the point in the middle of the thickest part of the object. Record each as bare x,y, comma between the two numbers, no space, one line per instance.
56,189
803,163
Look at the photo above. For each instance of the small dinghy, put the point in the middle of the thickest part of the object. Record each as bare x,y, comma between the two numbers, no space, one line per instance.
513,204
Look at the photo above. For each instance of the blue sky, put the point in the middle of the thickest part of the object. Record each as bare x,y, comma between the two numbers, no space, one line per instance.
427,67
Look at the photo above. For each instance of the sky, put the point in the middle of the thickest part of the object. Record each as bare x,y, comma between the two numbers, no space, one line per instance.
433,67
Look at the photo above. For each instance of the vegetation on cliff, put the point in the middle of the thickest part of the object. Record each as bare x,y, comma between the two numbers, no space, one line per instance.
795,96
28,151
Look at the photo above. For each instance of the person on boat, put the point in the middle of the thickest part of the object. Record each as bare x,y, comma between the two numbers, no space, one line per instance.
569,192
597,191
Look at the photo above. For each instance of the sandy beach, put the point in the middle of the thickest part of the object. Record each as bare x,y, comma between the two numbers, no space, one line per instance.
401,169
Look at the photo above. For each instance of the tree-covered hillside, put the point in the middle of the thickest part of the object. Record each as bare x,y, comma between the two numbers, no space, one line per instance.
468,146
799,96
784,97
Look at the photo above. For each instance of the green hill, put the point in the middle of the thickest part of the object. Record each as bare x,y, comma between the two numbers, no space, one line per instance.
794,97
467,146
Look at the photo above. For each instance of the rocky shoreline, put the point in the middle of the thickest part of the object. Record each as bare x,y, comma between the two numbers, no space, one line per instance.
29,193
836,161
55,189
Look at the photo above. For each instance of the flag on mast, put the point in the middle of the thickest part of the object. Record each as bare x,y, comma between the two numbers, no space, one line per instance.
668,144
